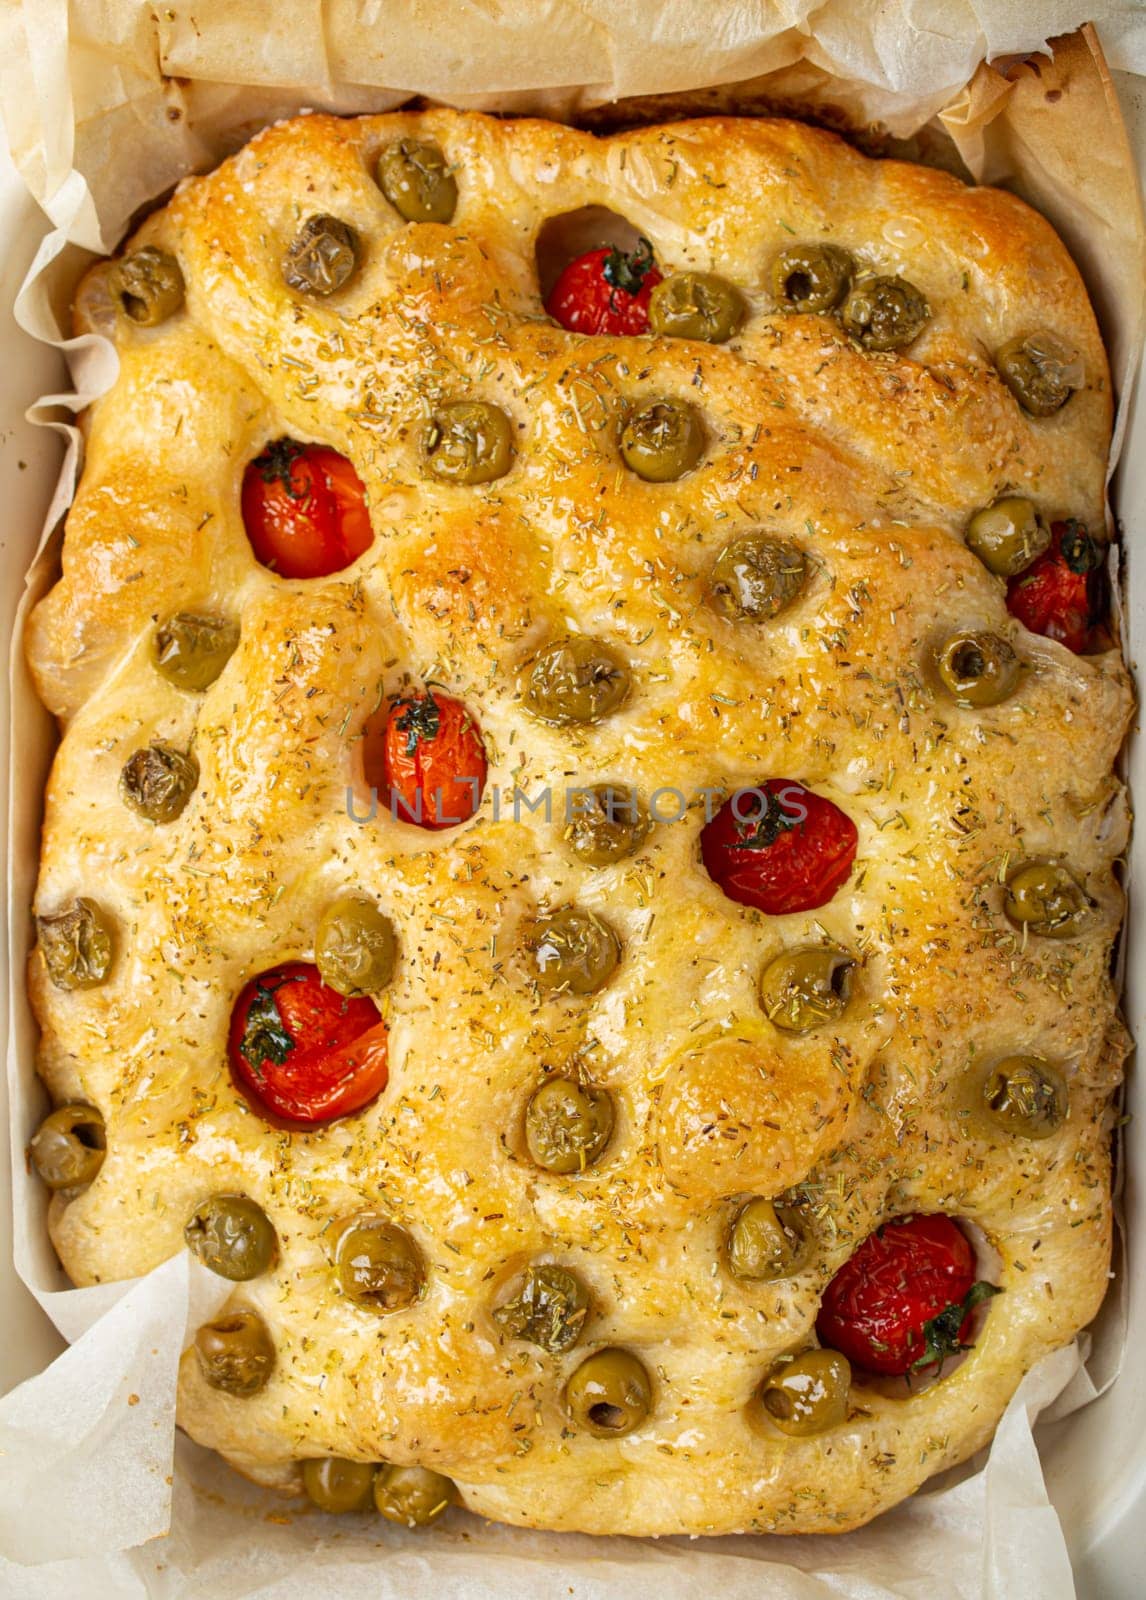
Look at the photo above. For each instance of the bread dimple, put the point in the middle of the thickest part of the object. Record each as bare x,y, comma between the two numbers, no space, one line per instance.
872,464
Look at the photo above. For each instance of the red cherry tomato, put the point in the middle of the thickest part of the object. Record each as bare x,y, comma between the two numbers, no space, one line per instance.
605,291
904,1300
1062,595
304,1051
779,847
434,762
304,509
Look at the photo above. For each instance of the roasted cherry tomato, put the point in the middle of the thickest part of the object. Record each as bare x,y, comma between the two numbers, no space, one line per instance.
904,1300
779,847
304,509
1062,594
605,291
433,761
303,1050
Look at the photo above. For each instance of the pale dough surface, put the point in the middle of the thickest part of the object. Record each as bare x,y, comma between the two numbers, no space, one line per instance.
873,464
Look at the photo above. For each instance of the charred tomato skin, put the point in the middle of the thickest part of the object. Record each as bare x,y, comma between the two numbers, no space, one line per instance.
779,848
301,1051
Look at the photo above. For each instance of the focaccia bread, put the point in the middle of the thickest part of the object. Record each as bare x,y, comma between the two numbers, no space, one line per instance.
754,520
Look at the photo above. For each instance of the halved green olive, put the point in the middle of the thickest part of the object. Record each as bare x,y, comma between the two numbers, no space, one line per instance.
573,951
233,1236
567,1125
755,577
808,1394
76,945
884,313
415,177
236,1353
811,277
69,1146
148,285
411,1496
610,1394
337,1485
608,823
979,669
191,650
378,1265
549,1309
1024,1095
355,947
157,782
1040,370
576,679
1008,535
766,1243
697,305
468,441
662,441
322,257
804,989
1043,897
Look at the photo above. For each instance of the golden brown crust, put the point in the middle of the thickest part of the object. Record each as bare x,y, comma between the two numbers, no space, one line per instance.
873,463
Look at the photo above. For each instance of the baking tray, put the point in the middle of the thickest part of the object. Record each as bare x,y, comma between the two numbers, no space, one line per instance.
30,461
1094,1460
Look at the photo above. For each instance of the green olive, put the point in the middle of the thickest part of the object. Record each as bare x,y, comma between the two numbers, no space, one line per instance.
236,1353
811,277
1008,535
1024,1095
233,1236
979,669
1043,897
573,951
549,1309
610,1394
411,1496
576,679
567,1125
766,1243
191,651
697,305
1038,369
355,947
803,989
157,782
884,313
76,945
468,441
334,1484
608,823
415,177
754,578
69,1146
808,1394
322,257
148,285
378,1265
663,440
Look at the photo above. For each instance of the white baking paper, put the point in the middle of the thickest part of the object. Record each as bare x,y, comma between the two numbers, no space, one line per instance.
993,1535
107,103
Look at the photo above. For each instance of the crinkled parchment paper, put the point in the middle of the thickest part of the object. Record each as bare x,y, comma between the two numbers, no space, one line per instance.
107,103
